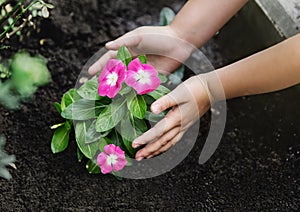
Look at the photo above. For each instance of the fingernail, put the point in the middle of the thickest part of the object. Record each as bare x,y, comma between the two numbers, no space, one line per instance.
109,43
156,108
135,146
140,159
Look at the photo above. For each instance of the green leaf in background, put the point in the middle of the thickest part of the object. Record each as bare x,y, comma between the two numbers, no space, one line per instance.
82,110
28,73
177,76
115,137
166,16
89,90
7,98
111,115
58,107
163,79
93,167
143,59
136,105
103,143
69,98
159,92
89,150
92,135
4,71
5,160
124,55
60,138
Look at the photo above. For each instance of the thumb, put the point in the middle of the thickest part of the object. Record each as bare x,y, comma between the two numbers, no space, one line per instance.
163,103
129,39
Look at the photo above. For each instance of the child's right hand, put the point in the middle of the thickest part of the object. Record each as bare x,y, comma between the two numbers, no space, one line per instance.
163,47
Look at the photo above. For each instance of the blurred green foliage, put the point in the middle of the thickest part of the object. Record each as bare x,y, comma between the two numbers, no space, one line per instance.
5,160
24,74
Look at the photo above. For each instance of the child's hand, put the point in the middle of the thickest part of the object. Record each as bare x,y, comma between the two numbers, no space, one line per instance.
159,43
188,102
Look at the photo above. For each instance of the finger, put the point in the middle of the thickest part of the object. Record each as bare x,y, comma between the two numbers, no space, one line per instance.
97,66
155,146
168,146
129,39
163,103
172,120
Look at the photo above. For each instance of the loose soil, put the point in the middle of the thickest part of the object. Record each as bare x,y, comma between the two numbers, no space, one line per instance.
256,166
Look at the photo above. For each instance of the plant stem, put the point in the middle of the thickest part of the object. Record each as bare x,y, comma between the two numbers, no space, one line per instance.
2,35
15,9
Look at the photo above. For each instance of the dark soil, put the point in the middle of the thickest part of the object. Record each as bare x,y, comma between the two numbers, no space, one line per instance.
256,166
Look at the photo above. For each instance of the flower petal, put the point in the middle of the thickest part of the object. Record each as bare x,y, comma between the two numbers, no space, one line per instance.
119,165
106,168
120,153
110,149
135,65
106,88
142,86
101,159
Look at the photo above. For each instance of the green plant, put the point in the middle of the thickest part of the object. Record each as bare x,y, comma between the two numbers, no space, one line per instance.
16,15
5,160
22,75
109,112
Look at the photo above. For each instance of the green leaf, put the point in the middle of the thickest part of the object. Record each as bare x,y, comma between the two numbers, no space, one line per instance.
129,161
92,135
115,137
5,160
60,139
163,78
58,107
82,110
131,128
143,59
93,167
125,89
159,92
176,77
166,16
103,143
111,115
124,55
154,117
149,100
7,98
89,150
79,155
28,73
136,105
69,98
89,90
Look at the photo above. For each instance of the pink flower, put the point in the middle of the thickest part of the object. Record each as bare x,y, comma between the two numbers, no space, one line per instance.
112,159
111,78
142,77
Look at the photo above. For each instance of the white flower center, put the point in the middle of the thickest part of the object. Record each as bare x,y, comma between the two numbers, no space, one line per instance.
112,79
112,159
142,77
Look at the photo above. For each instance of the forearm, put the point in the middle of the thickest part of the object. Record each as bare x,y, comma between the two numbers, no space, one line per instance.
273,69
199,20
